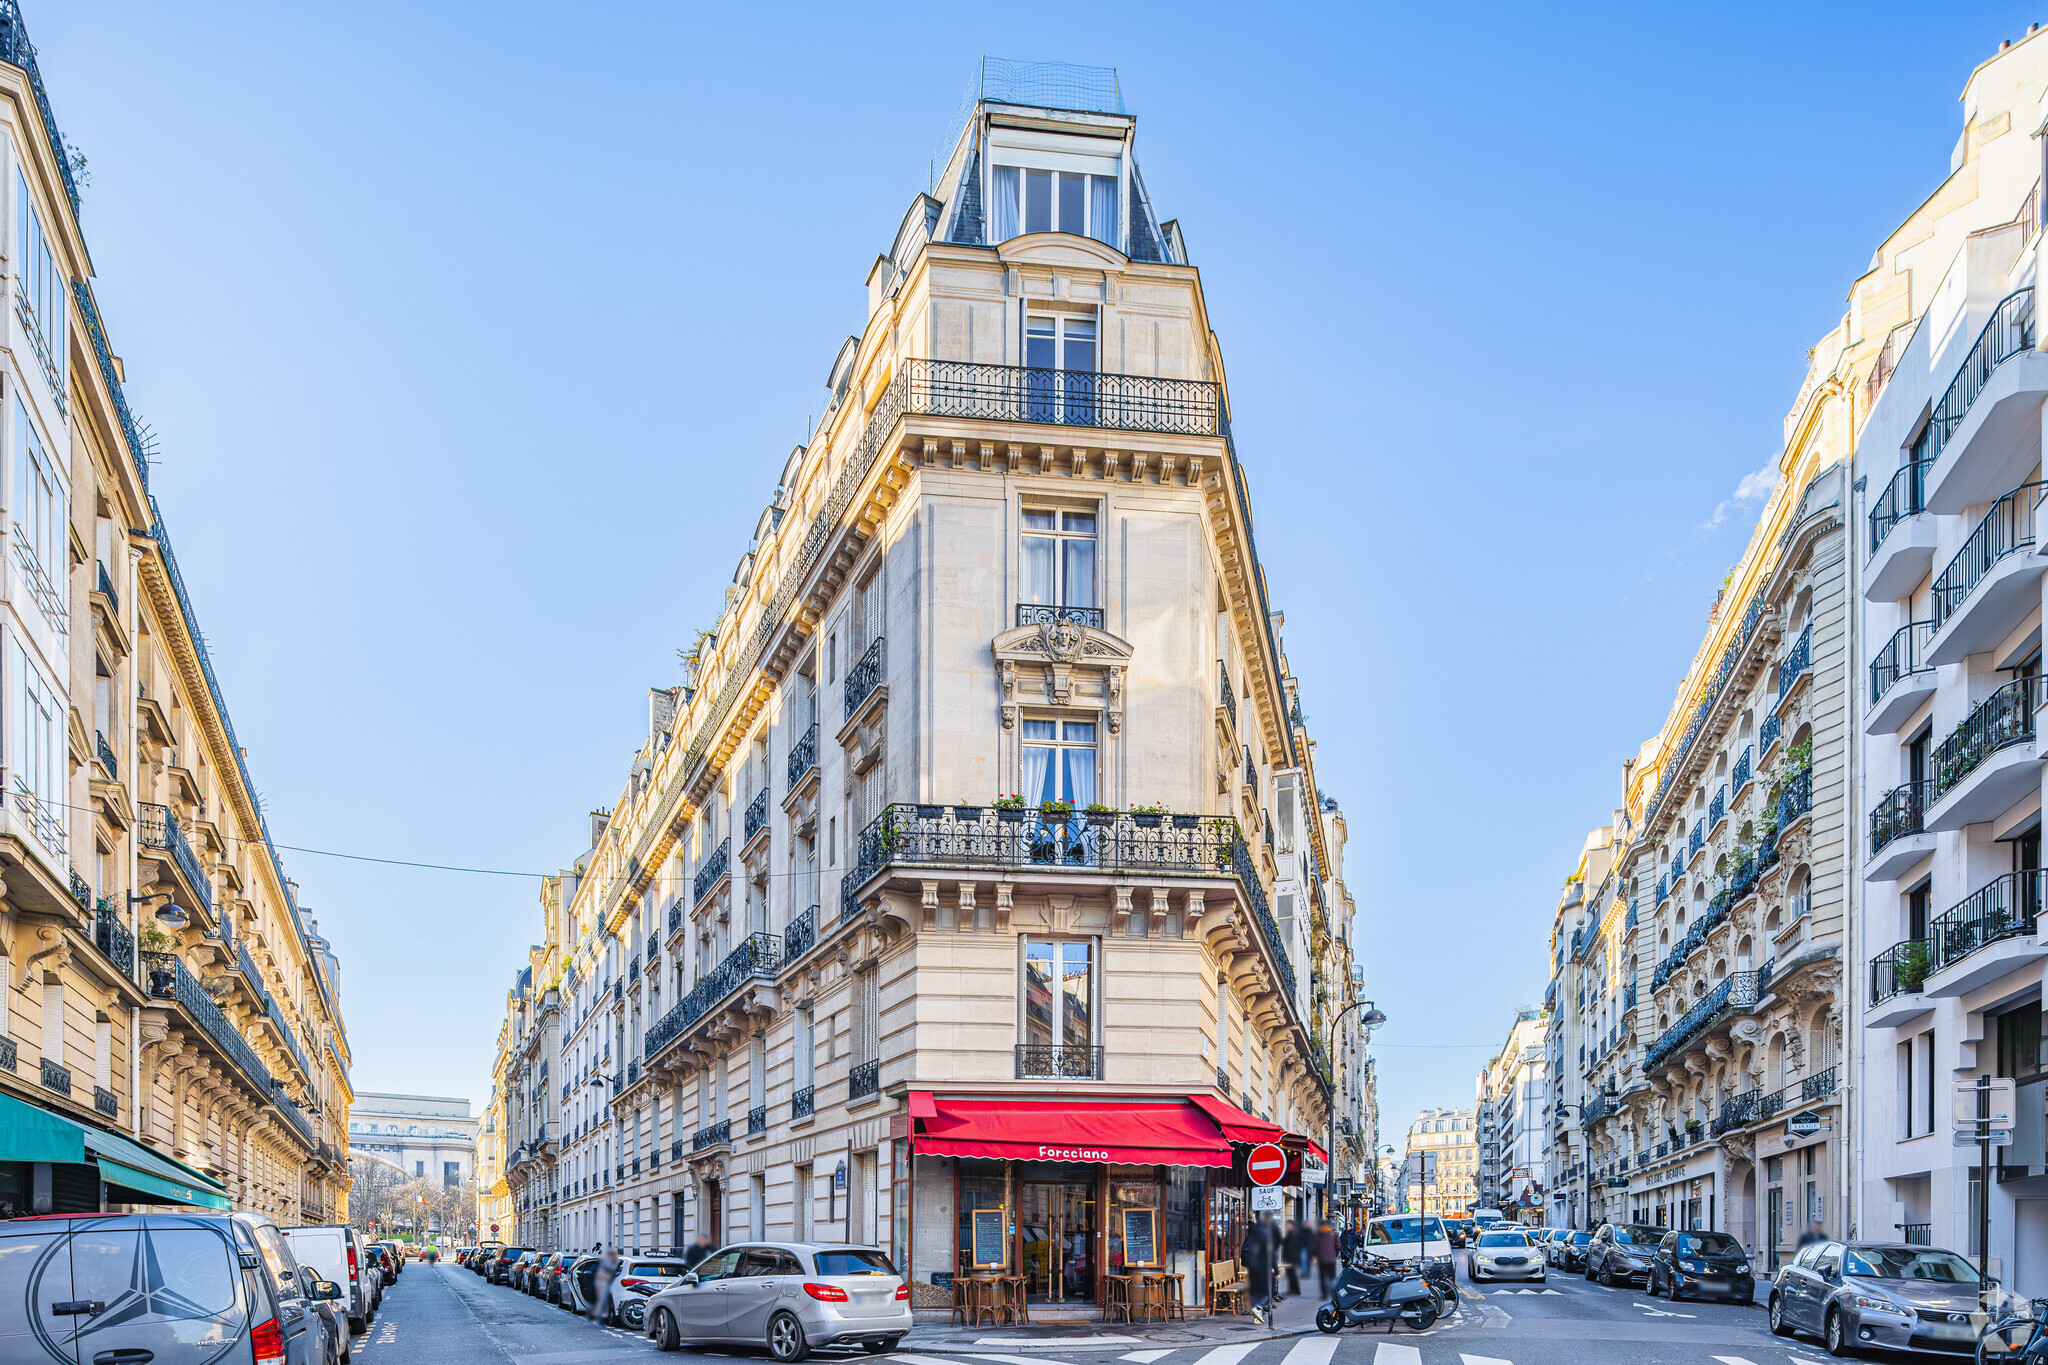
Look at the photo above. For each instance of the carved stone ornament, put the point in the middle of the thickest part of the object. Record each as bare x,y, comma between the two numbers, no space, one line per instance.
1072,664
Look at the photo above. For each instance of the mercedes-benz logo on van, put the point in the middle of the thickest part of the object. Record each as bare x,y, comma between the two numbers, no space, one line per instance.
146,1299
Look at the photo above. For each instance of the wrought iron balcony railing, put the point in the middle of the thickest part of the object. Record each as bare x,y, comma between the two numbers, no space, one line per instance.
2004,718
2004,907
863,678
105,753
2006,529
55,1077
168,979
1015,393
713,1135
1797,798
757,1120
1717,808
2009,331
1899,812
158,827
1225,697
106,585
1697,840
803,754
1042,1062
865,1079
801,935
81,890
104,1101
1740,777
1767,734
714,868
1899,969
112,938
1223,1080
1034,614
803,1103
758,957
1904,496
1905,653
757,814
1798,662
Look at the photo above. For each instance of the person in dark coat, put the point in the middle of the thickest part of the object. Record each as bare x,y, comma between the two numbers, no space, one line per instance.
1260,1251
1326,1256
1293,1245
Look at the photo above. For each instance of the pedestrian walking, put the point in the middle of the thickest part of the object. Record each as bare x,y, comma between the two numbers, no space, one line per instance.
699,1249
607,1272
1293,1249
1261,1250
1326,1256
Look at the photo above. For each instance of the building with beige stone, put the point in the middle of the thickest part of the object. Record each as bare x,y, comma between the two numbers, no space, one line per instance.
168,1009
1452,1137
978,863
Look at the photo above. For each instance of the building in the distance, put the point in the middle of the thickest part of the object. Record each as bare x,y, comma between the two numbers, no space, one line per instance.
1452,1136
1514,1099
425,1137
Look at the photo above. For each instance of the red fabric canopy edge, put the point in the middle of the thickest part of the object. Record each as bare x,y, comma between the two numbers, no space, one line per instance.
1237,1125
1143,1132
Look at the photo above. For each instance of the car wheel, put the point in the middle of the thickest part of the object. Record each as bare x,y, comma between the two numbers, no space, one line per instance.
665,1335
1778,1324
1837,1334
356,1324
786,1338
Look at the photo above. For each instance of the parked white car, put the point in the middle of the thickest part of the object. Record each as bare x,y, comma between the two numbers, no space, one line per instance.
1404,1237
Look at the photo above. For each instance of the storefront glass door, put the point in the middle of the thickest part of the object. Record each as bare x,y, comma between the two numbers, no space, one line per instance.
1057,1223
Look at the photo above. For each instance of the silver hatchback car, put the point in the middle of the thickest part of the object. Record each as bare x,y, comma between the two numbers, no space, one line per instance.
789,1296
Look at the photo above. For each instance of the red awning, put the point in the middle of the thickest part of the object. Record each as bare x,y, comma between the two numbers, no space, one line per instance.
1140,1131
1237,1125
1301,1142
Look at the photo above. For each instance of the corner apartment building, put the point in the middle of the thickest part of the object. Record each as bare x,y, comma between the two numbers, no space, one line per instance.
1514,1109
979,862
1951,589
169,1016
1584,1010
1452,1137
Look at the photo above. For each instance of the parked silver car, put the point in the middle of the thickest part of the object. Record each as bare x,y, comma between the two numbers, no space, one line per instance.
1881,1295
790,1296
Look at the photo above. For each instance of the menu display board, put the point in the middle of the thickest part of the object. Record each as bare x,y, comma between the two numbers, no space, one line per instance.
991,1246
1141,1245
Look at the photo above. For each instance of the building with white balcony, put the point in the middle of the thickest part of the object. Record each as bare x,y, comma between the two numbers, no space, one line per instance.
422,1137
1514,1108
1948,461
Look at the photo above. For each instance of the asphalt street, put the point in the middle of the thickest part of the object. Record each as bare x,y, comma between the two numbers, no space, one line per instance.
439,1315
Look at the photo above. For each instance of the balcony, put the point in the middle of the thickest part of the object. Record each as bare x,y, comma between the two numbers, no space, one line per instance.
757,1120
1901,678
1225,697
1797,663
113,940
1988,762
1015,393
1717,809
104,752
104,1101
756,818
1037,1061
1697,840
714,870
1990,933
105,587
803,1104
169,980
1223,1081
56,1078
863,678
158,828
1898,837
1767,735
1797,798
1897,978
1986,414
757,958
1992,584
801,936
1900,554
864,1080
1034,614
1740,777
1739,993
803,755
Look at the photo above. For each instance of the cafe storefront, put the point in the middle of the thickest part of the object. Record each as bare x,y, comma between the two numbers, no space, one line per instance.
1060,1195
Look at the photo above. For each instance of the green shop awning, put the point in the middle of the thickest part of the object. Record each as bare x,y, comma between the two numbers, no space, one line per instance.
31,1134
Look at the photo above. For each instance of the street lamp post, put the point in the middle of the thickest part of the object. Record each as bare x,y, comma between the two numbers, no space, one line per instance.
1370,1020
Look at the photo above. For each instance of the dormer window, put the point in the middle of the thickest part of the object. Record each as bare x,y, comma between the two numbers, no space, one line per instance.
1028,200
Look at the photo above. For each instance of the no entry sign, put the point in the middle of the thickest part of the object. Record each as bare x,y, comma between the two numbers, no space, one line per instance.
1266,1164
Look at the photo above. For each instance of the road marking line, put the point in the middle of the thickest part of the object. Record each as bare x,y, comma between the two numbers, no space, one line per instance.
1230,1355
1316,1350
1483,1360
1029,1344
922,1360
1660,1313
1014,1360
1390,1354
1147,1357
1734,1360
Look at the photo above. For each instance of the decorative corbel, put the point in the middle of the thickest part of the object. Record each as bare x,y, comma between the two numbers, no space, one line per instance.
1009,695
928,900
1157,921
1122,915
1191,913
1016,453
966,921
931,451
1077,461
987,456
1004,890
1116,699
1046,455
959,454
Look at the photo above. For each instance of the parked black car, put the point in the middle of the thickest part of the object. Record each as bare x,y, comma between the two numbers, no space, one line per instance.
498,1269
1568,1250
1620,1253
1701,1265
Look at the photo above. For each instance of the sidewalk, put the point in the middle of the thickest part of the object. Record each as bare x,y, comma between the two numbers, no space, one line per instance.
1291,1317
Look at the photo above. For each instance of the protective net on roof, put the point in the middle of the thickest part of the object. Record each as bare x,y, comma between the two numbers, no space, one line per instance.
1049,85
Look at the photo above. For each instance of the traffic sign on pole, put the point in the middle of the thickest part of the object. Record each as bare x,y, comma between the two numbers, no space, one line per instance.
1995,1095
1266,1164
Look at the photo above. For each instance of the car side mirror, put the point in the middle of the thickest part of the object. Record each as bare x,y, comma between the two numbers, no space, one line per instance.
326,1289
1991,1282
690,1279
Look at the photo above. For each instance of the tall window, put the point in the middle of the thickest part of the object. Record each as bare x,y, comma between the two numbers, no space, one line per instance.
1059,557
38,761
806,1049
1055,201
42,291
1059,761
1059,993
38,519
1060,383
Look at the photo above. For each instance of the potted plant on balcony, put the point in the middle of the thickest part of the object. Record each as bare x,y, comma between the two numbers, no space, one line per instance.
1010,809
1148,817
1101,816
1910,968
1056,812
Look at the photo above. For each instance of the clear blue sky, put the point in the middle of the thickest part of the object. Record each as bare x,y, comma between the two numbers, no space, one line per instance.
476,336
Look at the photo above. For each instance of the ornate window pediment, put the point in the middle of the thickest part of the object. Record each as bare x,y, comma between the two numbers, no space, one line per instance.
1062,663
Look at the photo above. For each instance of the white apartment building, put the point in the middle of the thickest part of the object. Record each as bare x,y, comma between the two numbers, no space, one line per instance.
1591,989
1951,586
1514,1109
979,863
423,1137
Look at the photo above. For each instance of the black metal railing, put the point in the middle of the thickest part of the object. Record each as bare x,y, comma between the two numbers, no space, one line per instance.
1899,812
803,754
81,890
1798,661
1036,614
757,1120
1916,1234
714,868
1682,1032
167,979
8,1054
1905,653
1903,497
1223,1080
105,753
865,1079
1225,697
104,1101
1740,777
863,678
112,938
803,1103
1016,393
2006,529
1697,840
1797,798
158,828
2009,331
2004,907
633,1071
106,582
1037,1061
758,957
675,1150
801,935
1717,808
1767,734
757,814
712,1135
15,48
1899,969
55,1077
2004,718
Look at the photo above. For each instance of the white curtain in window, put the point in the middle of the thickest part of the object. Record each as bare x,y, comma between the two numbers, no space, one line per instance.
1102,209
1006,206
1038,569
1038,761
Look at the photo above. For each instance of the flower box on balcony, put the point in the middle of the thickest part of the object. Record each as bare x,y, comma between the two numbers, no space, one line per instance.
1101,819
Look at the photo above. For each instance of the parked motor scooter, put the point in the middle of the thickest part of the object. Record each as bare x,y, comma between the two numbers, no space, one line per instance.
629,1303
1384,1291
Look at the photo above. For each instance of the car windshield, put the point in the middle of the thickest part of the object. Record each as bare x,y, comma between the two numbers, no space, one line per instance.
1503,1239
1580,1239
1388,1231
1909,1263
854,1263
1706,1244
1639,1236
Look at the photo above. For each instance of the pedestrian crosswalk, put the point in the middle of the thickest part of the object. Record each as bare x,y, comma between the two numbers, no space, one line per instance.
1350,1348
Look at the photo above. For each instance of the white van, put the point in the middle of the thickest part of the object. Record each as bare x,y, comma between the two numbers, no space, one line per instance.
335,1252
1404,1237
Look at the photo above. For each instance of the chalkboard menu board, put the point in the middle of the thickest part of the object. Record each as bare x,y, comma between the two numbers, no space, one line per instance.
1140,1245
991,1246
